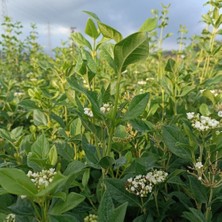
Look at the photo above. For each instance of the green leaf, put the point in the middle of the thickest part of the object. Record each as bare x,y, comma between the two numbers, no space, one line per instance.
106,54
213,81
149,25
143,164
16,132
58,181
106,207
58,119
41,147
194,215
63,218
38,157
93,15
130,50
136,107
6,135
117,190
204,110
74,167
208,94
144,218
197,191
218,22
39,118
72,200
91,29
186,90
35,162
15,181
53,156
170,65
176,142
85,177
109,32
139,125
91,64
106,162
119,213
90,152
28,104
81,40
2,191
90,95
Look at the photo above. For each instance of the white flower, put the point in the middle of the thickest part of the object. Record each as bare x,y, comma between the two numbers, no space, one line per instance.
10,218
132,189
141,185
198,165
88,112
43,178
141,82
219,113
130,180
213,123
105,108
190,115
91,218
202,123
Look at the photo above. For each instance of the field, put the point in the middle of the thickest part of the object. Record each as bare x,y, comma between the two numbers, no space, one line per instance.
112,128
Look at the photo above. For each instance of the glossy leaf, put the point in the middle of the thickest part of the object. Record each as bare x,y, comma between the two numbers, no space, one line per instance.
176,142
15,181
72,200
109,32
136,107
91,29
39,118
149,25
130,50
81,40
117,190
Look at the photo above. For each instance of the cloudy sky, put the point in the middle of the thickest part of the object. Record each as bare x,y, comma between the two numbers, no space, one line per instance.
124,15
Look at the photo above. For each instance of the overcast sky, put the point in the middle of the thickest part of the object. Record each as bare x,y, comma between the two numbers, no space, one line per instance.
124,15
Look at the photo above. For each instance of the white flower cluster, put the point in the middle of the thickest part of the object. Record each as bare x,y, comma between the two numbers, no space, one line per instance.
105,108
43,178
215,92
198,165
91,218
10,218
18,93
219,113
88,112
202,123
142,82
141,185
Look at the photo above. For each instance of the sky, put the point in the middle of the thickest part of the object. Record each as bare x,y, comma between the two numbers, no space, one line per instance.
55,17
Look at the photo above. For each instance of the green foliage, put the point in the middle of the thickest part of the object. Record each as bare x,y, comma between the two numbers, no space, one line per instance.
75,128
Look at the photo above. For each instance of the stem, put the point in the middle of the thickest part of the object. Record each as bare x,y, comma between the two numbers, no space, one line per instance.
208,210
155,193
143,209
114,112
45,210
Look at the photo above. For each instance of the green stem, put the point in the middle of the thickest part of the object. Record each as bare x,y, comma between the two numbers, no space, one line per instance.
155,193
208,210
114,112
37,214
46,219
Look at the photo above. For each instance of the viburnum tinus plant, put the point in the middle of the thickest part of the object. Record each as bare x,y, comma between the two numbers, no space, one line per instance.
113,128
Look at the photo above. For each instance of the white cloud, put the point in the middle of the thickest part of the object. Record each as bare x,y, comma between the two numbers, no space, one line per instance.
125,16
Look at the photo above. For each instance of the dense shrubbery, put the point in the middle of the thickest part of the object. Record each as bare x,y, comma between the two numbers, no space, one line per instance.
112,129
